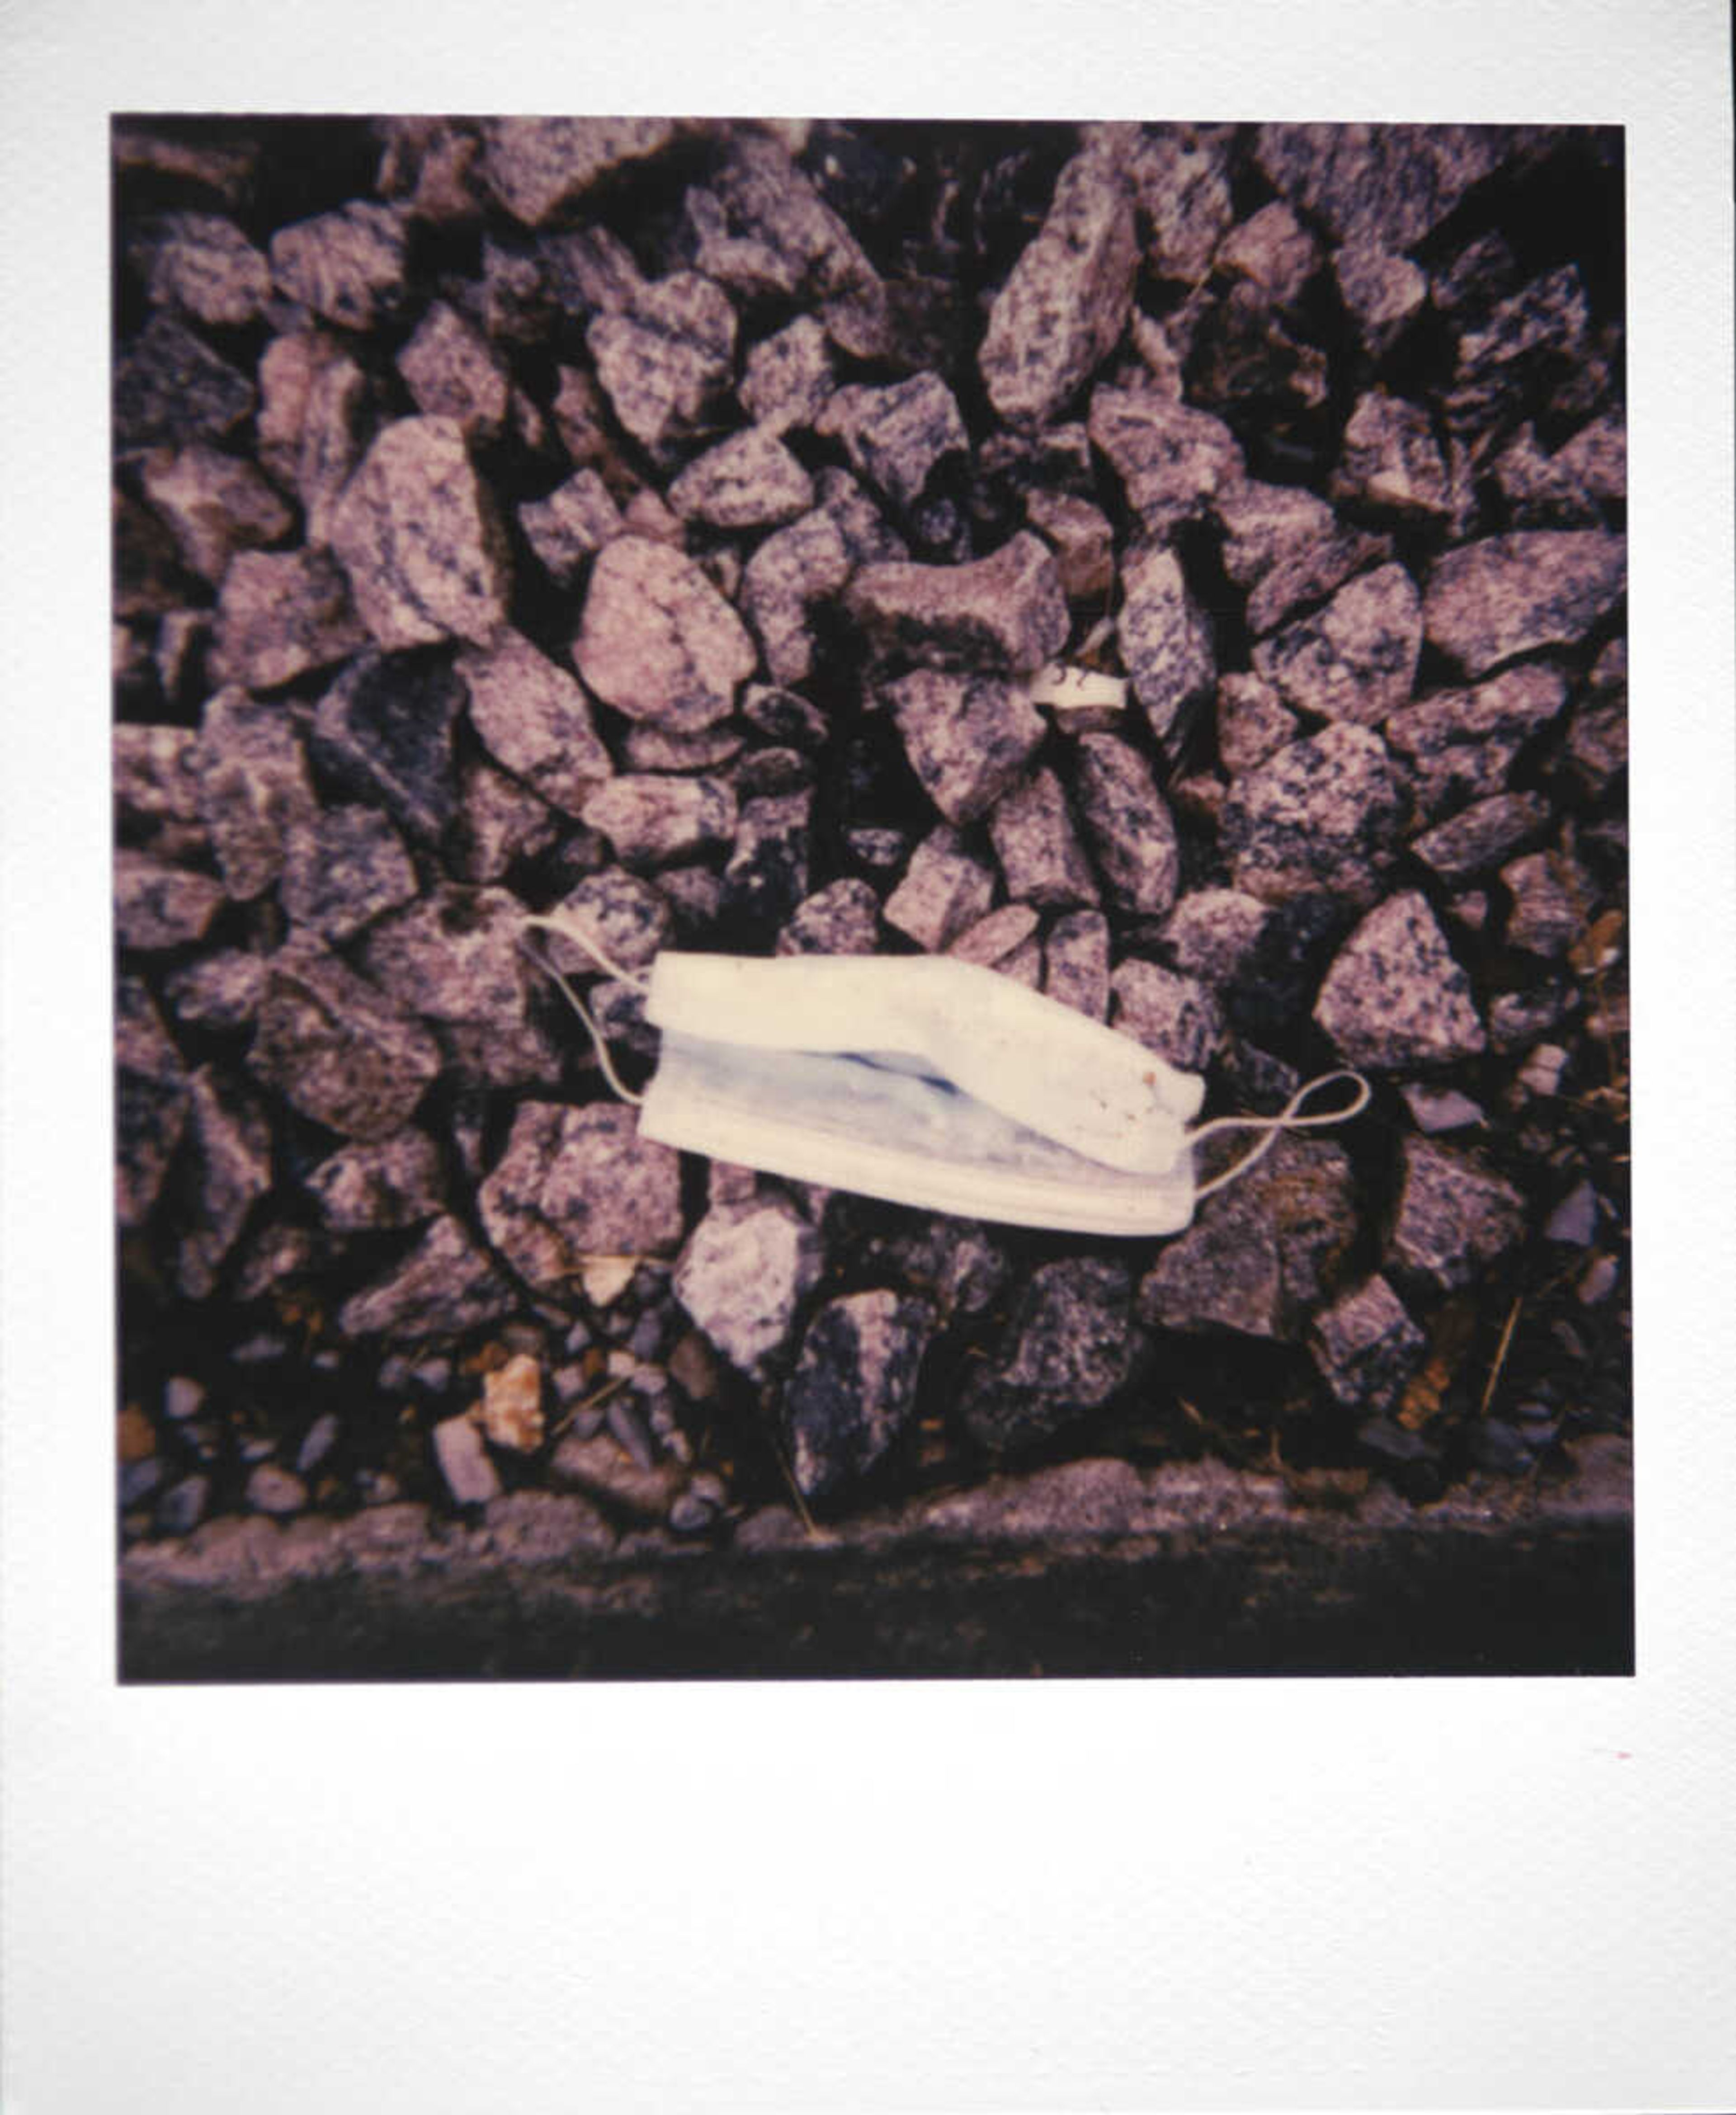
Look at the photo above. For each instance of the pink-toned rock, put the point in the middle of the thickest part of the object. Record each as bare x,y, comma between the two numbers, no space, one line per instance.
254,792
567,530
653,818
576,1182
214,505
445,1286
1356,659
538,167
1272,250
201,264
896,435
1252,722
1323,813
749,481
1391,460
943,890
1285,547
336,1047
657,641
968,738
787,376
1065,301
1165,640
452,374
1171,460
1175,1016
1128,826
280,614
230,1161
535,718
1394,997
665,358
1512,594
418,536
793,569
1076,963
1006,610
1081,539
1038,849
160,906
346,266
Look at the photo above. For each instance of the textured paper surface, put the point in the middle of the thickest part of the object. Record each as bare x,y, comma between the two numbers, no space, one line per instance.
1134,1895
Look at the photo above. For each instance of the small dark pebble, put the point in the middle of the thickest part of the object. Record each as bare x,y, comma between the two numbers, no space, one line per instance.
626,1419
138,1479
1499,1447
182,1506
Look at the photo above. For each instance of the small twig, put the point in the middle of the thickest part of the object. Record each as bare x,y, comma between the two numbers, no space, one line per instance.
1500,1355
612,1386
795,1489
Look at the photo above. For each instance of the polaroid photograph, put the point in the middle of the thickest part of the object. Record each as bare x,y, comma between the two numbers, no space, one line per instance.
868,884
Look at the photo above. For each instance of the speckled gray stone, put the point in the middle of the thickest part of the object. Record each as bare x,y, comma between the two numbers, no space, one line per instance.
418,535
1512,594
1394,997
853,1387
742,1274
1172,459
1323,813
1165,640
1456,1217
1357,658
895,435
1127,824
1006,611
1065,301
968,738
657,641
574,1183
336,1047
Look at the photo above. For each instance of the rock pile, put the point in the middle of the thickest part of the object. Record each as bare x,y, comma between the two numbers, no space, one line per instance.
666,519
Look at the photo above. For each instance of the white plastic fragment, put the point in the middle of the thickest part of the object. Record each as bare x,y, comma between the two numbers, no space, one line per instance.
1077,690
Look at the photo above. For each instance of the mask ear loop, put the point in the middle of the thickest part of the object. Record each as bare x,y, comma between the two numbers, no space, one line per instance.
1288,1118
591,945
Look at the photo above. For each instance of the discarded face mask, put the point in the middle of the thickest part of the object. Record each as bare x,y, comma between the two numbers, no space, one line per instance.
926,1082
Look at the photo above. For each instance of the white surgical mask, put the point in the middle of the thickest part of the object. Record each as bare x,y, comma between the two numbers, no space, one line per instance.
927,1081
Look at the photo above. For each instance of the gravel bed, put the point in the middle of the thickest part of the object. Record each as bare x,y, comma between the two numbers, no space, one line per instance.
666,520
